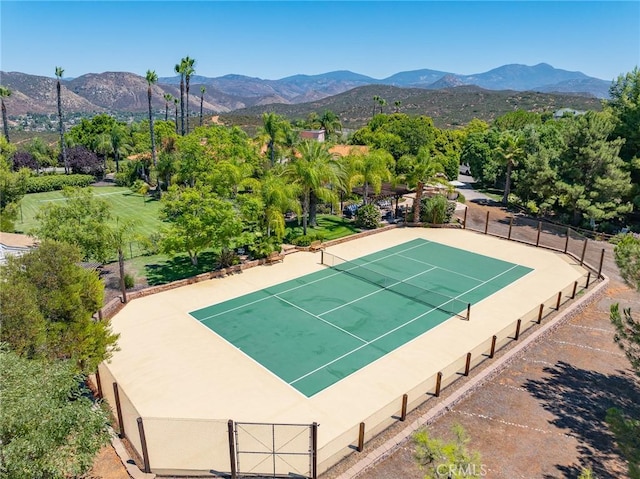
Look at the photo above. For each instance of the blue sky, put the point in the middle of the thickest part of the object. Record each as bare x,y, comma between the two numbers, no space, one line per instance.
275,39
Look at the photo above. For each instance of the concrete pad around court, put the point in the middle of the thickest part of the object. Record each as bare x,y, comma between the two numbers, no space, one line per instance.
171,366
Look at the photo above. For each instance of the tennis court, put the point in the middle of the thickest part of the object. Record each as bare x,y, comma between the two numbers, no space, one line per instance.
317,329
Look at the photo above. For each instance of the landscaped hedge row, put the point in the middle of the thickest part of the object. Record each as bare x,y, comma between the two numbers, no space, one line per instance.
39,184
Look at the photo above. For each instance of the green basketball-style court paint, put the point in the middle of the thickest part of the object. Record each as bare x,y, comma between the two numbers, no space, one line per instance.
317,329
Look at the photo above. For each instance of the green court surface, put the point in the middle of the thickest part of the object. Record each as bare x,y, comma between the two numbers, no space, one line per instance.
317,329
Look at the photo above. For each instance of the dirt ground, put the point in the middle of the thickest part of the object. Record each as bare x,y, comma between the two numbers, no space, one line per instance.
540,417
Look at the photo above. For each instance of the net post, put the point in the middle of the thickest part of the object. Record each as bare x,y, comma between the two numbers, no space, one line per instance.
467,366
493,346
566,242
464,220
575,287
321,256
232,449
99,383
540,313
510,226
558,300
584,251
143,443
601,263
486,224
116,397
588,280
539,231
314,451
403,413
438,384
468,311
517,335
361,438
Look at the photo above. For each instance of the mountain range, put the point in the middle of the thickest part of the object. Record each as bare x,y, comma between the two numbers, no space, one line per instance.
127,92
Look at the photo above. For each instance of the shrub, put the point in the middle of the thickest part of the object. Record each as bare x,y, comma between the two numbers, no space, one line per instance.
83,161
24,159
306,240
368,216
437,210
129,281
40,184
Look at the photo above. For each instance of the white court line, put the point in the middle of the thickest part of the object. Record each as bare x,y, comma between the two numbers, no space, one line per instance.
299,286
399,327
440,267
321,319
101,194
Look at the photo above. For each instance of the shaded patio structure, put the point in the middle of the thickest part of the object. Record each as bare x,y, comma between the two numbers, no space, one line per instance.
387,192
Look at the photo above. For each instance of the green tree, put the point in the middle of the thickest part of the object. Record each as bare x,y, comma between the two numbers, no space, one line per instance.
63,150
52,316
168,98
197,220
371,170
188,68
314,172
451,460
516,120
180,69
397,105
119,236
423,169
509,153
13,186
330,123
175,104
152,79
120,143
49,428
624,103
278,197
5,93
273,130
81,220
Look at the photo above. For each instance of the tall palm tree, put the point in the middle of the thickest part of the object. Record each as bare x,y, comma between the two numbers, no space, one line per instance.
63,149
382,102
5,93
278,196
397,104
376,101
273,130
371,170
188,71
168,98
152,79
510,151
120,145
424,169
314,172
202,91
175,102
330,122
179,69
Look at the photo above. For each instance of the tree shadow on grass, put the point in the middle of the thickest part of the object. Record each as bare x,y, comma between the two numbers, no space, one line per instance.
179,267
579,400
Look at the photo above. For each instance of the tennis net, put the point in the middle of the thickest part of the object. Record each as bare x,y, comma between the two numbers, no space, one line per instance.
430,298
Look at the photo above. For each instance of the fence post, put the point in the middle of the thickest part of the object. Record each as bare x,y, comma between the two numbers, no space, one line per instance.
540,313
601,263
116,397
558,301
321,256
539,230
143,443
232,450
517,336
486,225
566,243
575,287
314,451
438,384
493,346
403,412
510,226
464,220
467,365
99,383
588,279
584,251
361,437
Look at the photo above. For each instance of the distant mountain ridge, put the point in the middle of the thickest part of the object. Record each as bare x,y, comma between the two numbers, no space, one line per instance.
127,92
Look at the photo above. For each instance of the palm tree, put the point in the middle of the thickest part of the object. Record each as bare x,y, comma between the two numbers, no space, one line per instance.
273,130
371,170
175,102
119,143
278,196
152,79
179,68
202,91
313,172
397,104
188,71
510,151
382,103
168,97
424,169
5,93
376,101
63,149
330,122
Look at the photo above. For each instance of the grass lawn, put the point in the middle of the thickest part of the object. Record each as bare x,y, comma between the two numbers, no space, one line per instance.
124,205
329,227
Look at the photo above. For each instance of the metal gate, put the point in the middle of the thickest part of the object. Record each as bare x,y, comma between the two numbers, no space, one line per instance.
276,450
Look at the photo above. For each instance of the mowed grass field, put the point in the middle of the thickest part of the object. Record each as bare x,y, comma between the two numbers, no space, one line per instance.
124,205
